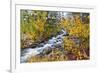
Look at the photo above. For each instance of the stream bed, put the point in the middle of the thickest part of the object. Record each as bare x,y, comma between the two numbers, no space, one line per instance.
50,44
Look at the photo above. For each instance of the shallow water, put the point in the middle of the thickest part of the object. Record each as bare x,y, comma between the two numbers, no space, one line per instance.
51,43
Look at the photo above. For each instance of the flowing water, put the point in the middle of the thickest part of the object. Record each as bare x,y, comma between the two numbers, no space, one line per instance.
50,44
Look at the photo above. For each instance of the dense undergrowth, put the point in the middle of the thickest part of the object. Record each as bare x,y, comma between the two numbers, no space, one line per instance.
39,26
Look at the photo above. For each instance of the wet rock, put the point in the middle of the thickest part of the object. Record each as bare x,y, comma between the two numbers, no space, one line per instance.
47,51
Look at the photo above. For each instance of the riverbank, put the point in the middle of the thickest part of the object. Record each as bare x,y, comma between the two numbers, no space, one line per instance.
54,42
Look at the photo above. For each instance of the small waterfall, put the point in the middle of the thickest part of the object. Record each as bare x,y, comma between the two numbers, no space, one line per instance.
51,43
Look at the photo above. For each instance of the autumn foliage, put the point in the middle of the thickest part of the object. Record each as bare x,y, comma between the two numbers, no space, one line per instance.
37,26
77,42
